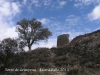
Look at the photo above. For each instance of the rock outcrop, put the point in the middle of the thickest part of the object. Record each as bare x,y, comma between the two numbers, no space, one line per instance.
91,39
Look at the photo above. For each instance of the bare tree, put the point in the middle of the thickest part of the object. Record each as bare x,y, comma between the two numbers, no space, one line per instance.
31,31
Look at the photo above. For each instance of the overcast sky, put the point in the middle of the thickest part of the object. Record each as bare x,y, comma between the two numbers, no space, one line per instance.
74,17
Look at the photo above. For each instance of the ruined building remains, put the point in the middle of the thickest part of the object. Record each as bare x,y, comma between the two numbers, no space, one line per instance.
62,40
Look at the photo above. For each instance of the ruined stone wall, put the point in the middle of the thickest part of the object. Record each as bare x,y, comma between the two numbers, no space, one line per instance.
62,40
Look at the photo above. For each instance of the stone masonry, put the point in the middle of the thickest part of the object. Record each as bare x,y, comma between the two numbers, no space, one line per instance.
62,40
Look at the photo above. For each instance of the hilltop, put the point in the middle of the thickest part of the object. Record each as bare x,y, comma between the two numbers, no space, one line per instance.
81,56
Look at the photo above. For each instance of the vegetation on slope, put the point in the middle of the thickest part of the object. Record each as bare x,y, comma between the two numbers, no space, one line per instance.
80,57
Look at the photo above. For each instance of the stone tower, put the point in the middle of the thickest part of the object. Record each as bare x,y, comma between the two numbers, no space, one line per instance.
62,40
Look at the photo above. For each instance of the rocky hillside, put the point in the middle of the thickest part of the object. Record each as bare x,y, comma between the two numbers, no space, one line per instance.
81,56
91,38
